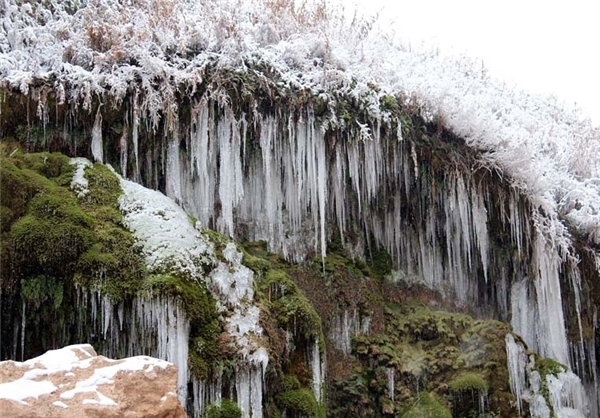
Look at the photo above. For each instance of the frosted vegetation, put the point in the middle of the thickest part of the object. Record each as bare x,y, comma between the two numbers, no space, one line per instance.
85,49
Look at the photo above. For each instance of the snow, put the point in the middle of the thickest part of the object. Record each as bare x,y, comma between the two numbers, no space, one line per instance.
66,359
80,184
63,357
21,389
167,236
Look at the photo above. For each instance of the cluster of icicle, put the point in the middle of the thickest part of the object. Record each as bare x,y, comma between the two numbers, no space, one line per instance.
157,325
346,325
292,186
564,396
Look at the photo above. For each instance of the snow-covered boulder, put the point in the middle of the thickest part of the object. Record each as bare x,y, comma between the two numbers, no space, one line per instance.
75,382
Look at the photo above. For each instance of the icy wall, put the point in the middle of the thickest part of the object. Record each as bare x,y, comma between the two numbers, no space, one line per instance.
294,177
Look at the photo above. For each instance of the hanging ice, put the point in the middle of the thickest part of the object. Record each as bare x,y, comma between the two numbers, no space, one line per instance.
97,147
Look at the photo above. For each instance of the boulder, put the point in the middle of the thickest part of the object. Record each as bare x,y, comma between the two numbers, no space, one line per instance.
75,382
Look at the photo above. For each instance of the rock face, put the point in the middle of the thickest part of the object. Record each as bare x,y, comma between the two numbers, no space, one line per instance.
75,382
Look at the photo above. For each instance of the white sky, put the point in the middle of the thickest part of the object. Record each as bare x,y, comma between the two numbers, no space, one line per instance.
546,46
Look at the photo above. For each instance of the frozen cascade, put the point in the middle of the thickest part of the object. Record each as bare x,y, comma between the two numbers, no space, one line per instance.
286,181
537,305
566,395
154,325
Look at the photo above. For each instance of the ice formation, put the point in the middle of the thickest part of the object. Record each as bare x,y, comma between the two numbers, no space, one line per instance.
344,326
317,366
564,396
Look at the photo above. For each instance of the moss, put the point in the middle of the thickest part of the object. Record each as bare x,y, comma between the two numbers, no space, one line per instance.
299,402
42,289
219,240
447,354
426,405
104,187
50,165
548,366
468,381
227,409
290,382
289,305
47,245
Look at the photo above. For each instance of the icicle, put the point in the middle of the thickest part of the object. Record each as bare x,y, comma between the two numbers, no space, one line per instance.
205,394
317,368
391,386
567,394
345,326
123,148
231,189
23,323
249,388
97,151
552,338
173,169
134,137
517,363
479,217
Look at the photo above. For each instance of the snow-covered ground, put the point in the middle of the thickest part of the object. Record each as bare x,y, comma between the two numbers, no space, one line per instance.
83,48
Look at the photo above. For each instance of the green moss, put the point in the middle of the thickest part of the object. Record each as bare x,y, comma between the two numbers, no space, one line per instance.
447,354
290,306
426,405
39,290
48,245
548,366
227,409
380,262
219,240
468,381
290,382
104,187
299,402
50,165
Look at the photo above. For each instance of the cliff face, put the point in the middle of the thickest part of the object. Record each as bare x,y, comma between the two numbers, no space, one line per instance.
323,247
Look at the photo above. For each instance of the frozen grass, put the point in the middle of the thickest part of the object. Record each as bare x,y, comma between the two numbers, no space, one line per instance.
84,48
